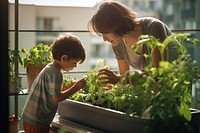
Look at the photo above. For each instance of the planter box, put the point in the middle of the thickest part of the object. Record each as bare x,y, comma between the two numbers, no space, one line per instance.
108,120
103,119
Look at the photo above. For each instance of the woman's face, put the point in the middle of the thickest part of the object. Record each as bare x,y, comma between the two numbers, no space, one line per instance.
112,38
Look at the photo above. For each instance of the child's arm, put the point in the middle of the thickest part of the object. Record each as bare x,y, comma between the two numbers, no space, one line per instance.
67,93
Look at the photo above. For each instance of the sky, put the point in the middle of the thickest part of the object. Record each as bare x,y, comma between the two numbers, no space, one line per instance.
76,3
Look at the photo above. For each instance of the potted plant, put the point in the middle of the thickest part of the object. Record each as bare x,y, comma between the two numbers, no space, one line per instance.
35,60
13,123
14,78
158,100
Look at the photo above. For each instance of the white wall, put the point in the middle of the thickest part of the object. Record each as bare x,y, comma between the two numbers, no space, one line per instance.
71,18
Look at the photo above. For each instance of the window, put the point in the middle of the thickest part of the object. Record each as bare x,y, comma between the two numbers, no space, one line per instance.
48,23
97,50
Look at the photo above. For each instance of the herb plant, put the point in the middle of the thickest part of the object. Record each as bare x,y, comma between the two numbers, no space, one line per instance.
14,57
94,91
35,60
37,55
68,82
164,91
162,94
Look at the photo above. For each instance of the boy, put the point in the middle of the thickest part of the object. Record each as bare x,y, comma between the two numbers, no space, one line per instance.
45,94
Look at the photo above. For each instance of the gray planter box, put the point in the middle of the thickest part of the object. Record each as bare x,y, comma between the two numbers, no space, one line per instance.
103,119
108,120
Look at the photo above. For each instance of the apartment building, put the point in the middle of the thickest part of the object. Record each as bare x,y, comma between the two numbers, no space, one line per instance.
183,14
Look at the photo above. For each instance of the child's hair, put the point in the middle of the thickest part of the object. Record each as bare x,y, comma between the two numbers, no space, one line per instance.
70,45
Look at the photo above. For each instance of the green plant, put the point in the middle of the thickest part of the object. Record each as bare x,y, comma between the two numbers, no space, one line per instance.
163,93
171,81
93,91
171,85
37,55
68,82
14,57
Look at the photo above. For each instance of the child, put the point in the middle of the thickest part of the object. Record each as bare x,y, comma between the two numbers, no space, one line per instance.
45,94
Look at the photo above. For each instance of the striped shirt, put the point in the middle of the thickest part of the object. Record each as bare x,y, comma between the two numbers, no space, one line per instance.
39,108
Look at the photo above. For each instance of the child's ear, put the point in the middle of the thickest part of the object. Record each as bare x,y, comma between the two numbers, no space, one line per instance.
64,58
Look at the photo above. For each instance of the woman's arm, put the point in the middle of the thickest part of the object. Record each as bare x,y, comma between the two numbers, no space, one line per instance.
123,66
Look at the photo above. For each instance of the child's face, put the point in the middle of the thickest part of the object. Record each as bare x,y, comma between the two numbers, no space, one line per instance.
70,64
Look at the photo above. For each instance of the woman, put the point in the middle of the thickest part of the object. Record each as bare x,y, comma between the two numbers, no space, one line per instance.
119,25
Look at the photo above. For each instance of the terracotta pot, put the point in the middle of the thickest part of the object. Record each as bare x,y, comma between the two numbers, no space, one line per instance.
32,72
13,124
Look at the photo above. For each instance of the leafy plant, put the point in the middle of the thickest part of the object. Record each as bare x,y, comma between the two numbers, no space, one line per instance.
37,55
162,94
14,57
166,90
93,91
171,81
68,82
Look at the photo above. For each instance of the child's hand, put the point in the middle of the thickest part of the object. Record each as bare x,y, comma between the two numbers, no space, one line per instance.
66,87
81,83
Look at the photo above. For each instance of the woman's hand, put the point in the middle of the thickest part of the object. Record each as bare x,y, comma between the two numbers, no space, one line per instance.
107,76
